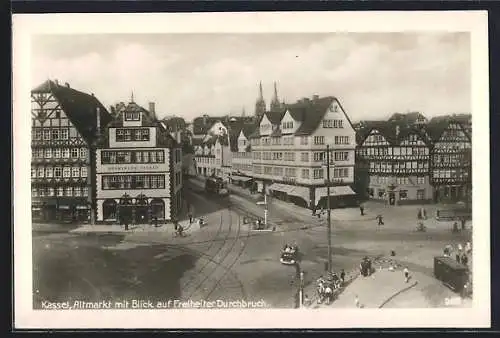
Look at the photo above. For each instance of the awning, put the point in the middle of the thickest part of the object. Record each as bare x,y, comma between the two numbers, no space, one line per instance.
63,207
334,191
281,187
82,207
240,178
302,192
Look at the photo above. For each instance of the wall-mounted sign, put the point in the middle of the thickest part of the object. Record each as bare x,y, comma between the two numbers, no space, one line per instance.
119,168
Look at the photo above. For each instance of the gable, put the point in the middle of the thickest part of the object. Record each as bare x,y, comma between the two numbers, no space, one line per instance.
288,123
265,126
242,136
413,139
375,138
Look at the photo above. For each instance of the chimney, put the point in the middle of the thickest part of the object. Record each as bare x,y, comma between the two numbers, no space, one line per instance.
397,130
98,113
56,81
152,109
67,85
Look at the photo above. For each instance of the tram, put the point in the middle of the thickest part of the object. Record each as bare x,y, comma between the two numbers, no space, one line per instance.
216,186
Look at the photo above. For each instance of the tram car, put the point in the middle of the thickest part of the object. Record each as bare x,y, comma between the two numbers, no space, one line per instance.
289,255
216,186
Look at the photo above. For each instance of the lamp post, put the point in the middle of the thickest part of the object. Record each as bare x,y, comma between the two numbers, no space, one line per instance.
329,219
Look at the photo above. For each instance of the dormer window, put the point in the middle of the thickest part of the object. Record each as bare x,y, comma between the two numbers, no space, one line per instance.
132,116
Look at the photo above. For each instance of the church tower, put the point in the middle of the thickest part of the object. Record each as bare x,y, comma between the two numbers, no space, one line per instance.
260,104
275,103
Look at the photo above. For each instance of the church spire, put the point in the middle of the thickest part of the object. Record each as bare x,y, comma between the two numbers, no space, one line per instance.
275,103
132,96
260,104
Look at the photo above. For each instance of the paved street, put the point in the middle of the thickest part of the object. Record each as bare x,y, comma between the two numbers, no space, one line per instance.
226,260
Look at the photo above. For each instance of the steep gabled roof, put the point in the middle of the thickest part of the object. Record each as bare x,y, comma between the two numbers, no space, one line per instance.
437,125
310,113
148,120
393,131
79,107
407,118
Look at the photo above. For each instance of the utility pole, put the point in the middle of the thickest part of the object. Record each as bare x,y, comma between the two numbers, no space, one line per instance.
265,208
328,206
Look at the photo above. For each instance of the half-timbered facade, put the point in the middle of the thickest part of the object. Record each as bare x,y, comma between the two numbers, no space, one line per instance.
451,160
397,159
138,169
64,124
241,151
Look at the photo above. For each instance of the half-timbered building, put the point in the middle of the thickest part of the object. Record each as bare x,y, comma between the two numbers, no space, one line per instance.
138,169
64,125
396,157
451,160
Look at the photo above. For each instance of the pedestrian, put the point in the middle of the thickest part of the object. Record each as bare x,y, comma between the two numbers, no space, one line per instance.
463,223
190,215
380,220
362,209
464,259
321,292
342,276
356,301
328,294
455,227
457,257
459,246
468,248
407,274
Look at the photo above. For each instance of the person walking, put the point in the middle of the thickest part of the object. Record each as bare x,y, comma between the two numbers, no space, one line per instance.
407,274
362,209
328,294
468,248
190,215
464,259
380,220
342,276
463,221
356,301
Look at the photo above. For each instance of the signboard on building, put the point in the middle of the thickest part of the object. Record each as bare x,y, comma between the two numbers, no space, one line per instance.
122,168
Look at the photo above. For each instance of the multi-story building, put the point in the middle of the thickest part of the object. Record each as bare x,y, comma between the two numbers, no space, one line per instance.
64,124
451,159
213,156
395,155
138,169
289,146
241,150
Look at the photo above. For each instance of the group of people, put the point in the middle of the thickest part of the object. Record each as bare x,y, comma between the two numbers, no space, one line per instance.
326,286
365,267
290,248
463,222
461,254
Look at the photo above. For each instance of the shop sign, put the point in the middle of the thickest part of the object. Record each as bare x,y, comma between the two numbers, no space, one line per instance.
114,168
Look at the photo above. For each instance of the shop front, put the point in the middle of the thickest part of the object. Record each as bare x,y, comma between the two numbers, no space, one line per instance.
61,210
133,210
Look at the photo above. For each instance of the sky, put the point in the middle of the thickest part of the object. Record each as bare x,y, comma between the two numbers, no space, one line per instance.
372,74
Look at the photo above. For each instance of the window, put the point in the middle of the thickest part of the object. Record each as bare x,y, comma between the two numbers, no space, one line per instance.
83,153
57,172
46,134
420,180
403,194
290,172
333,124
55,134
113,182
49,172
41,172
33,172
318,173
48,153
68,191
278,171
74,152
85,191
318,140
420,194
75,172
60,191
83,171
305,173
34,192
318,156
41,192
341,139
66,172
65,153
304,157
38,134
77,191
50,191
341,172
341,156
132,116
57,152
304,140
267,170
64,134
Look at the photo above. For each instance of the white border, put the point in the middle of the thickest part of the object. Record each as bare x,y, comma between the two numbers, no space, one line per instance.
25,26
